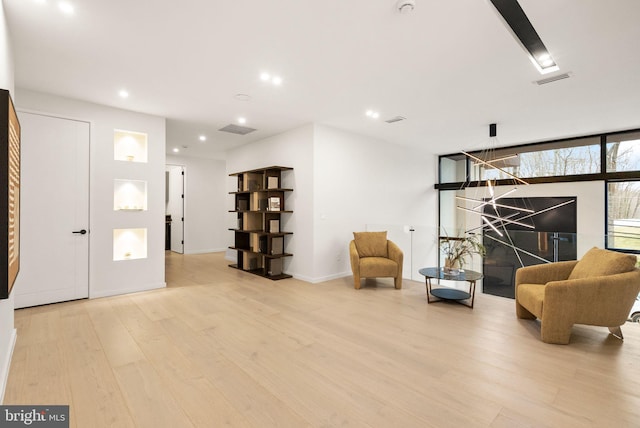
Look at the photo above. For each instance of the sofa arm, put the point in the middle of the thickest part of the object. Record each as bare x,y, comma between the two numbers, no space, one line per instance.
395,253
541,274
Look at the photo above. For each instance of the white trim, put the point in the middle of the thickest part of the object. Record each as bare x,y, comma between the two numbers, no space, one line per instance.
213,250
4,374
117,292
322,278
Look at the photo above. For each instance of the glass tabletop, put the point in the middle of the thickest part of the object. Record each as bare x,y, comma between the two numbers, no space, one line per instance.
462,275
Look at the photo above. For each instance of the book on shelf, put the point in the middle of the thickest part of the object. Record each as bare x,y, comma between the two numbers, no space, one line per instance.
274,203
262,246
254,185
272,182
277,245
275,267
274,226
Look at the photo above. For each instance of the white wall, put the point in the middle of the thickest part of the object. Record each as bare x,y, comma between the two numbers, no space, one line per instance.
294,149
343,182
206,205
364,184
108,277
7,330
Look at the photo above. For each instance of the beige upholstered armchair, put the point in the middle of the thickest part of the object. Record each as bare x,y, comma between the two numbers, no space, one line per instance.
373,256
600,289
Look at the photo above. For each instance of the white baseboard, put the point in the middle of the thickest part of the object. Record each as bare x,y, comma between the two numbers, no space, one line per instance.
322,278
212,250
119,291
4,374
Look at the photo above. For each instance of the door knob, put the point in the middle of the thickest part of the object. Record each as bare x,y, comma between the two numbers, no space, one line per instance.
81,232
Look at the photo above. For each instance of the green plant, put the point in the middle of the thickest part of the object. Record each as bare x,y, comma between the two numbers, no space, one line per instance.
456,249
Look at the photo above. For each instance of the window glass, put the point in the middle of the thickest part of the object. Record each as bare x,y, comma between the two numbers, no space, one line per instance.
453,169
623,152
573,157
623,215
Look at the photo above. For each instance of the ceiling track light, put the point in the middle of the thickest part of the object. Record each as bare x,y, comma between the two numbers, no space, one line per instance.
522,29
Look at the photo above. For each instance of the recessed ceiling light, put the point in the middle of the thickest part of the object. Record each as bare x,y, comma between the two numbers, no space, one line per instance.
268,77
202,138
176,150
123,94
242,120
66,8
372,114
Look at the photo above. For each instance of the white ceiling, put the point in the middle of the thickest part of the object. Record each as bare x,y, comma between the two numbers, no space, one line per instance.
450,67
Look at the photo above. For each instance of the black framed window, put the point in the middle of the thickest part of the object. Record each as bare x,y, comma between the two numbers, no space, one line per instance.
623,152
623,215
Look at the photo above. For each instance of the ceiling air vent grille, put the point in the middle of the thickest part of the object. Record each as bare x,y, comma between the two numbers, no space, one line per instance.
396,119
236,129
552,79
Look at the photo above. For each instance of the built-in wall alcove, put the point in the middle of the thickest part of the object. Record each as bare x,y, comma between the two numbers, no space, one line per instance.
129,146
129,244
129,195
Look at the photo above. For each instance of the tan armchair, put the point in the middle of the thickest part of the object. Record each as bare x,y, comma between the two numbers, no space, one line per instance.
600,290
373,256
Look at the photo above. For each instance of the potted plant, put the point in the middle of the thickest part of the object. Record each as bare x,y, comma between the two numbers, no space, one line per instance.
457,248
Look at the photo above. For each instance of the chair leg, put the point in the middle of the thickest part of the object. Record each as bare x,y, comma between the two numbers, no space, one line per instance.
617,332
398,282
356,282
555,333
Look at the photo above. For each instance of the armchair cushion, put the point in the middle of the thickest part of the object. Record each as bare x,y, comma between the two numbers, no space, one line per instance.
531,297
371,267
371,244
599,262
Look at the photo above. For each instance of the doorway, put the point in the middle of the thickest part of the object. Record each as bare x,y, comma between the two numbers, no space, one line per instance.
175,208
54,223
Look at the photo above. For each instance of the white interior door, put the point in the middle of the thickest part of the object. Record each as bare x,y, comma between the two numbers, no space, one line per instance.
54,253
175,206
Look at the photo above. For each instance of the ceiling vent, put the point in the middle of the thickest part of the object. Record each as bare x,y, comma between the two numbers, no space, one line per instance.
553,79
236,129
396,119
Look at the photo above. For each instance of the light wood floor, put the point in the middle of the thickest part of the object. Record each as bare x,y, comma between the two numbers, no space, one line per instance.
220,347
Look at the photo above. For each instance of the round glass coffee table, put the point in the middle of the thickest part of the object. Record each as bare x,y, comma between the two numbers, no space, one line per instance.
442,292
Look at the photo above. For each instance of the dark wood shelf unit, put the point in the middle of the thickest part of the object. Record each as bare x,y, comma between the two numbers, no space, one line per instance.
259,203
